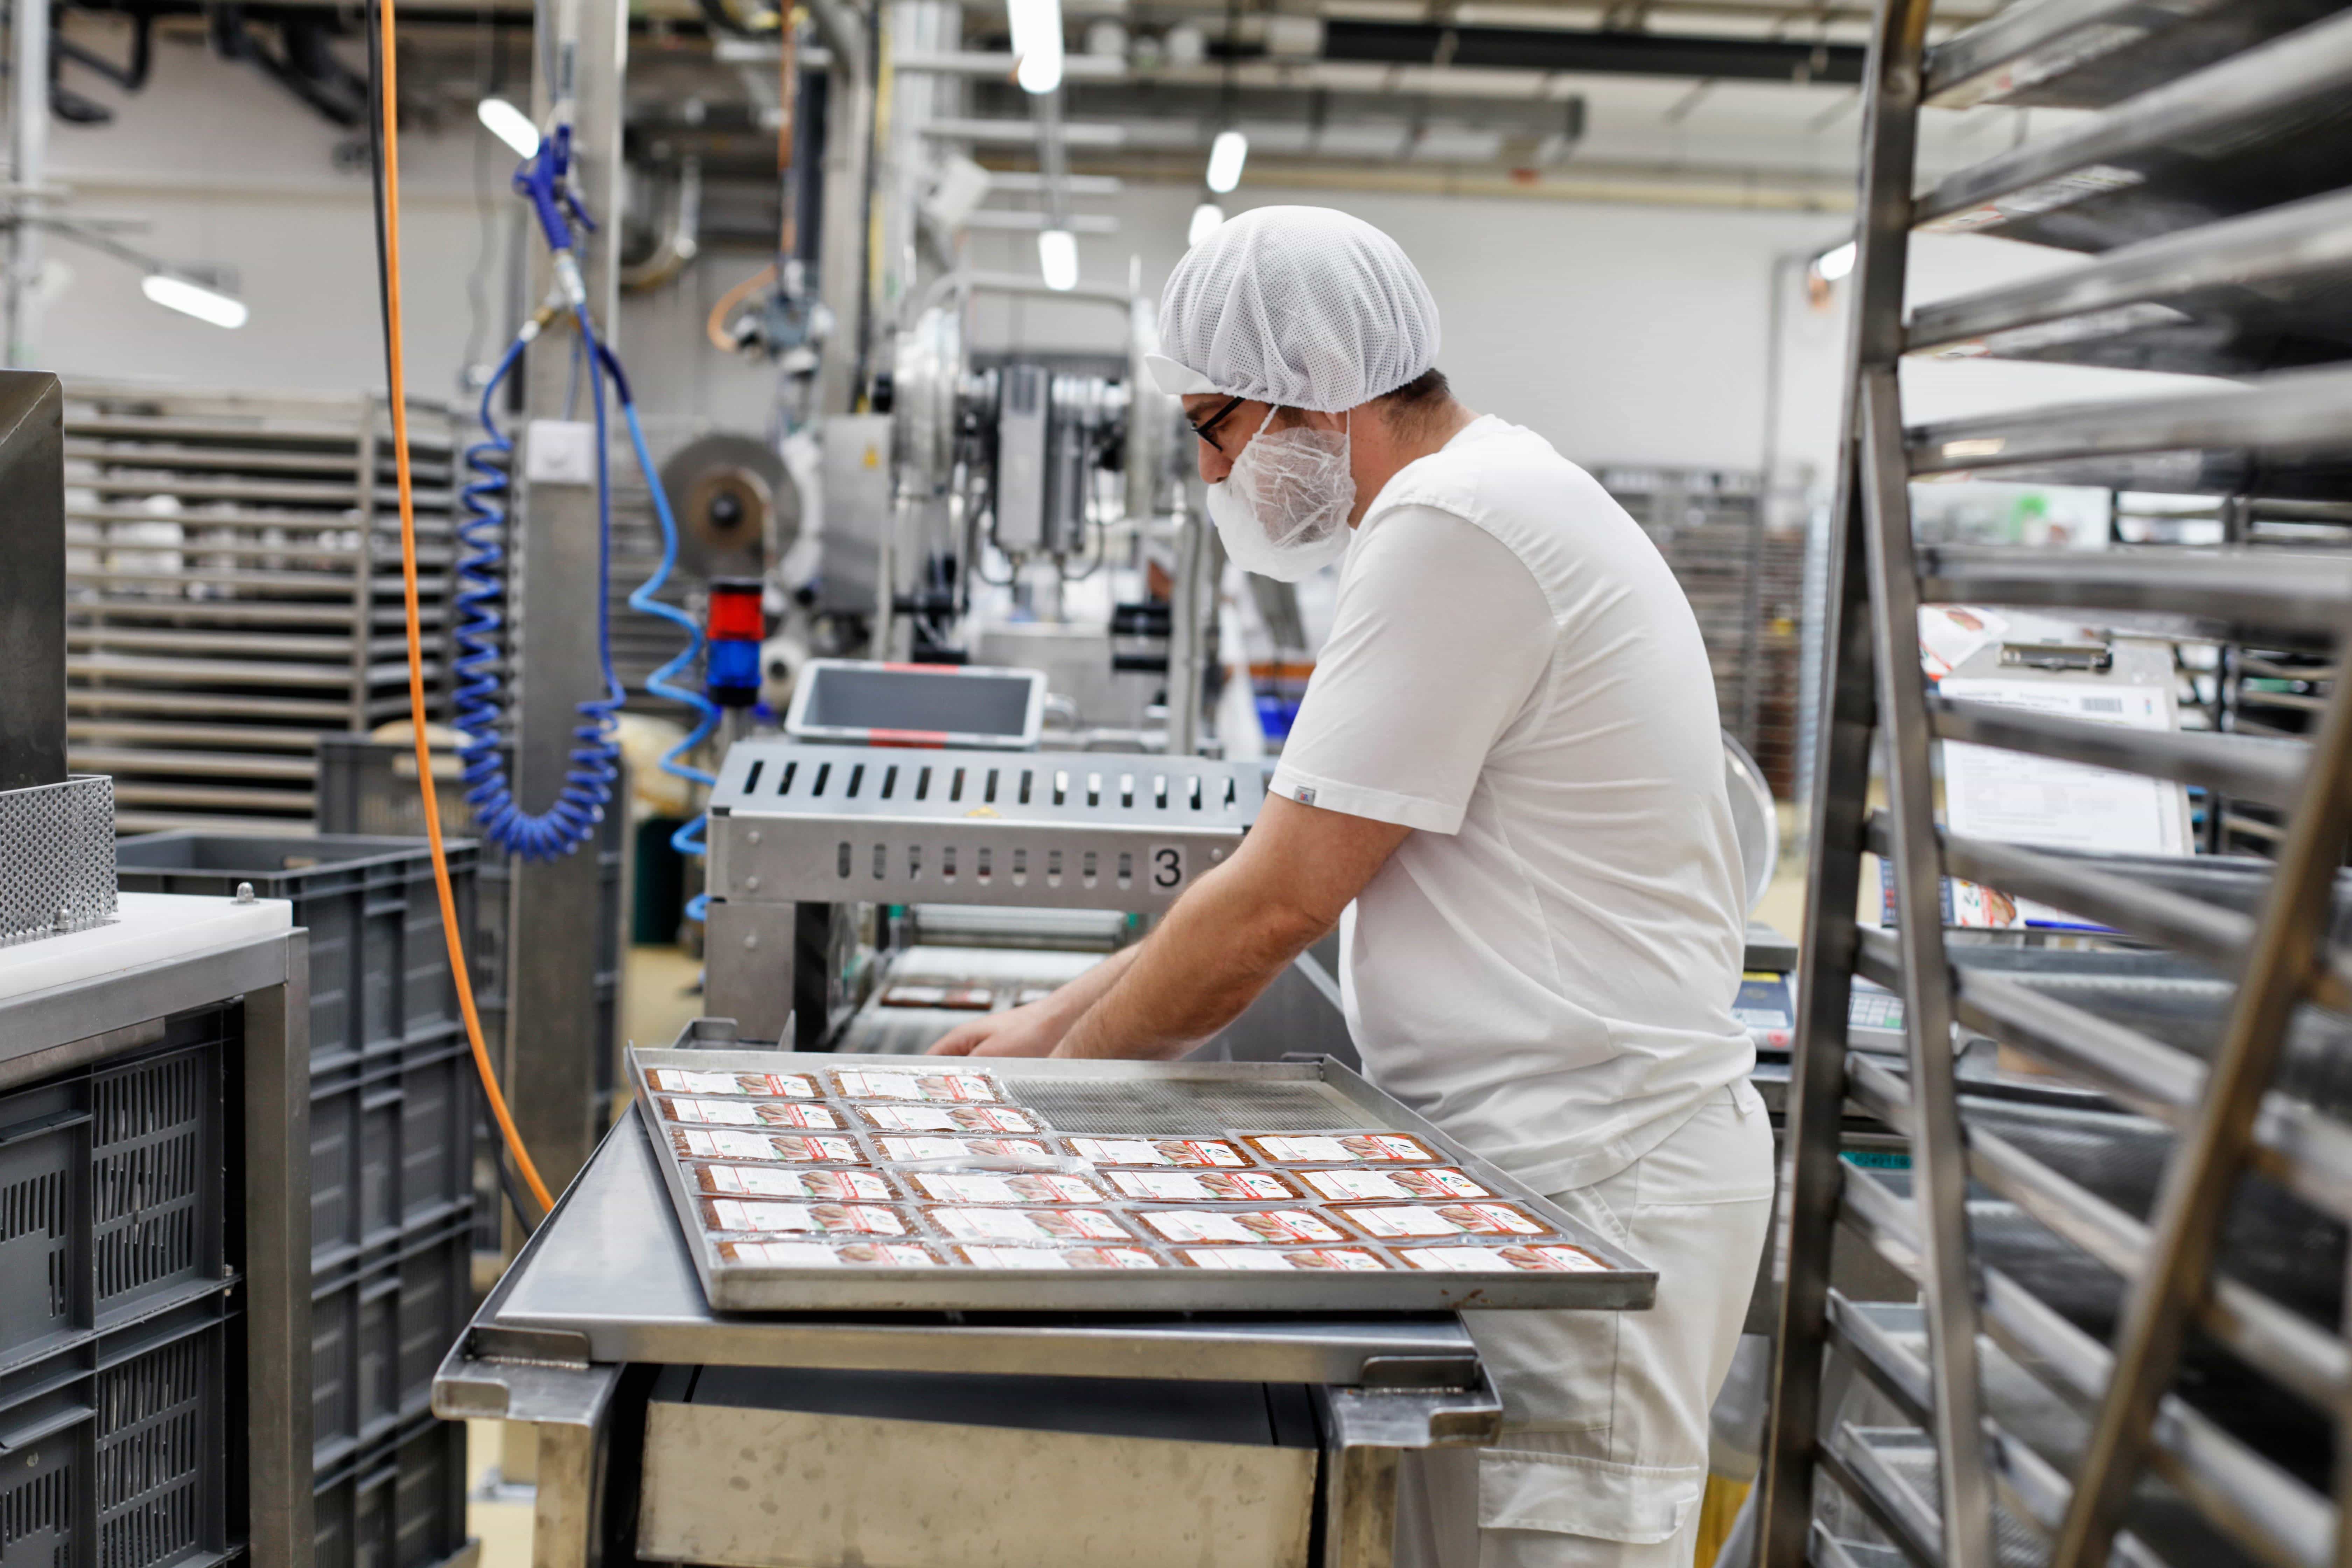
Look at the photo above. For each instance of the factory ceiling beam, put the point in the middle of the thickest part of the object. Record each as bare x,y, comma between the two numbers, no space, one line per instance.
1600,53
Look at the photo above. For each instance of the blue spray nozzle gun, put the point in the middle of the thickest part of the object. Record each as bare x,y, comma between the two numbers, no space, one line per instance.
545,178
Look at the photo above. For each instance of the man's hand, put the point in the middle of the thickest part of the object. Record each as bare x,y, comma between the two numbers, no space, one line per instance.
1031,1031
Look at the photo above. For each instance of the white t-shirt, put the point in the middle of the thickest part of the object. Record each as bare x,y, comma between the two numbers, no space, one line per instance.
1546,968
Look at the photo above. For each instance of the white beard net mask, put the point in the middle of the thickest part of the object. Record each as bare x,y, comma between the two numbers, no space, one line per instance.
1283,511
1302,307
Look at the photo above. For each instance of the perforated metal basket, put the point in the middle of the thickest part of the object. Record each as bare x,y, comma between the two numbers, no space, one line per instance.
56,857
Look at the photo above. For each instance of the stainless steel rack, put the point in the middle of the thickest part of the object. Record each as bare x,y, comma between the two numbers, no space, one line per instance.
2062,1391
1745,581
234,590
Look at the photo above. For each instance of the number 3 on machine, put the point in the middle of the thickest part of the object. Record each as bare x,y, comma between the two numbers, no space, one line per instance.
1165,865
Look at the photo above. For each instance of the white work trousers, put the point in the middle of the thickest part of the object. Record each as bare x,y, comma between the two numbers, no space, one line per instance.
1602,1457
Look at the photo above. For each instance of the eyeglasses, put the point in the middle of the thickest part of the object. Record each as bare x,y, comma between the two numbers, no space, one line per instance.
1213,420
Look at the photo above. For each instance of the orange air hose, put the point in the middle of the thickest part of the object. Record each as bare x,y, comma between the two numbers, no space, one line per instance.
389,99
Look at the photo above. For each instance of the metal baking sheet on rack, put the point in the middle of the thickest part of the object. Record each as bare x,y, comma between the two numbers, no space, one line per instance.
756,1147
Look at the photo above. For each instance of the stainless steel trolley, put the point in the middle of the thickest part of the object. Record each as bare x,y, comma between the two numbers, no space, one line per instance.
1050,1427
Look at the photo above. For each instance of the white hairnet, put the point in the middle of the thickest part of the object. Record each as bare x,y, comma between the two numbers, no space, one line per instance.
1304,307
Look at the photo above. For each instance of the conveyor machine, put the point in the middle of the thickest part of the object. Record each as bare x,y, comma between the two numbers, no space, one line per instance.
797,832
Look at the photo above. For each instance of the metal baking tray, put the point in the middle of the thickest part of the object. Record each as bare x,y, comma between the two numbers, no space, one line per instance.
1168,1099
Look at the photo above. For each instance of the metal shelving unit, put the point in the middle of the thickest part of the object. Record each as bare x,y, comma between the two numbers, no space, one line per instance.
2127,1344
1745,581
234,582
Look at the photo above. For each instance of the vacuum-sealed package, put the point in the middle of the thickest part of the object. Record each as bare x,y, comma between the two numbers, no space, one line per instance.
1285,1226
695,1143
1028,1226
748,1113
923,1088
987,1187
947,1118
913,1150
1202,1186
1329,1260
759,1085
1360,1185
831,1254
1339,1148
812,1186
797,1219
961,998
983,1257
1553,1258
1198,1152
1446,1219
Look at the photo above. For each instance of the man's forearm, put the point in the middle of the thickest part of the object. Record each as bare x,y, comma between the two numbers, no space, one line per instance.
1217,950
1071,1000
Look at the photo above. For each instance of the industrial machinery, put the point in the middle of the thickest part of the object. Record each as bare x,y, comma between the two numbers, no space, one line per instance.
798,833
1026,464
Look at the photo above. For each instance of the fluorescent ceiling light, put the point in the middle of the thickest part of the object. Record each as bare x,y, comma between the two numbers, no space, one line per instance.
193,300
1227,153
1834,263
1057,257
1205,219
1036,44
509,125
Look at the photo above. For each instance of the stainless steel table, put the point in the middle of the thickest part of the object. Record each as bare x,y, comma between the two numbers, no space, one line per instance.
584,1334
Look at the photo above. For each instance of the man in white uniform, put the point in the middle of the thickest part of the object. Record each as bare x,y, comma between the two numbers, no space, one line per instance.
1506,787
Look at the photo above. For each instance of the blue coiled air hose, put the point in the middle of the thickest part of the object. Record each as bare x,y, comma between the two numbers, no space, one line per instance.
587,787
687,839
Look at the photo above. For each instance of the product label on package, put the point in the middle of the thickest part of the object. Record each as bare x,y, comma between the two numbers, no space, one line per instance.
1448,1219
974,1187
759,1085
910,1151
1058,1258
1029,1225
823,1186
1291,1225
1502,1259
698,1144
1327,1260
748,1113
947,1118
1202,1187
830,1219
1361,1186
944,1088
1340,1148
1189,1152
820,1255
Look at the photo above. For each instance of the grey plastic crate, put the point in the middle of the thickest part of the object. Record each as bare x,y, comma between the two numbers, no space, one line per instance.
110,1192
398,1504
392,1149
379,962
118,1452
377,1333
368,786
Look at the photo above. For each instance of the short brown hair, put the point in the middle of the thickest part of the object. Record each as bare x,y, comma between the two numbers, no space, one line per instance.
1422,391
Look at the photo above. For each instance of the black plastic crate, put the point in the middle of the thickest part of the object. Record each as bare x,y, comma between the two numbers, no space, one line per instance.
379,963
391,1148
110,1191
117,1448
377,1334
399,1504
